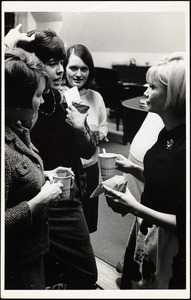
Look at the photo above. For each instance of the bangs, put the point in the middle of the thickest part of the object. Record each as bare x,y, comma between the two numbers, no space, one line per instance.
56,51
156,75
48,45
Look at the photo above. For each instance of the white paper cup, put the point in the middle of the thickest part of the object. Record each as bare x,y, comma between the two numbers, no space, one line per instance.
107,165
67,181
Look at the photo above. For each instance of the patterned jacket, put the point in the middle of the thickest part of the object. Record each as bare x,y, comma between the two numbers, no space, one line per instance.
26,237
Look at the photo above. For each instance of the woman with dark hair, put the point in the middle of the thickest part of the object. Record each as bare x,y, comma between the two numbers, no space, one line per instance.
79,72
84,54
62,137
27,193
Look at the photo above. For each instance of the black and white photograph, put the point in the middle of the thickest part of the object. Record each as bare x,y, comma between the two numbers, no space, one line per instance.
95,167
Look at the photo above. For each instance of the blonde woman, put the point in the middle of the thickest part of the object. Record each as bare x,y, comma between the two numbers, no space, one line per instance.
155,255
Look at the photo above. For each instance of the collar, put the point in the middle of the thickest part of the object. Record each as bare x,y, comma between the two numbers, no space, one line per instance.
15,134
83,92
11,132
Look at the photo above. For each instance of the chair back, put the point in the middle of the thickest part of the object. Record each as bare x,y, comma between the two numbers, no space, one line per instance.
134,74
108,86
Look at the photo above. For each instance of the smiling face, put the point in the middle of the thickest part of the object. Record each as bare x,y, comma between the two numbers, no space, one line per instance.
77,71
55,71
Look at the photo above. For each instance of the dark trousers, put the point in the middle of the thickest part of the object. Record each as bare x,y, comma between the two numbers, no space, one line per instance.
71,258
90,205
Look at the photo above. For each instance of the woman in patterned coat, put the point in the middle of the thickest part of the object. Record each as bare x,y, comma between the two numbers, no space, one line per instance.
27,192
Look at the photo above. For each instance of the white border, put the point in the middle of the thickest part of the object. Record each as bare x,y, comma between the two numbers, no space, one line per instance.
91,6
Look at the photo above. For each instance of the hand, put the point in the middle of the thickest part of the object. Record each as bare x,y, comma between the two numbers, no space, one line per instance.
101,136
14,35
50,191
76,119
105,139
115,205
52,173
123,164
120,202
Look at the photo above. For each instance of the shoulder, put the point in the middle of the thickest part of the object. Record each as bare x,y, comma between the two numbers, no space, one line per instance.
10,140
96,95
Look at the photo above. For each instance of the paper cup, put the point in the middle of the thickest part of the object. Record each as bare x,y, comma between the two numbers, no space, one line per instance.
107,164
67,181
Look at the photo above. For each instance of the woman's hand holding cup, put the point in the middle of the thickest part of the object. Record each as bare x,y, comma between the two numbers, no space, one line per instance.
51,191
50,174
123,164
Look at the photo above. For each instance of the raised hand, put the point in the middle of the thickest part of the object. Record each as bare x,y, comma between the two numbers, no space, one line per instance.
76,119
14,35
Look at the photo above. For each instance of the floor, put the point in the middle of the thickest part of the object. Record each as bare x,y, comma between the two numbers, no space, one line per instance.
107,276
109,241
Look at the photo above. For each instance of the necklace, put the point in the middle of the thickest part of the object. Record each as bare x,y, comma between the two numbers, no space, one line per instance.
54,108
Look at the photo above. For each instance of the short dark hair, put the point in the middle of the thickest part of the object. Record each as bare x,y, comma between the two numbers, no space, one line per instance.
82,52
46,45
23,71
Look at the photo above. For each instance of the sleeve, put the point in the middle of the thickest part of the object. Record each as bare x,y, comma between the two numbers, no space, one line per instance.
87,148
181,197
103,125
19,215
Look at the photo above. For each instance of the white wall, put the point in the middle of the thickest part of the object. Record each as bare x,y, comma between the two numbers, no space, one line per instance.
26,19
115,37
123,31
114,31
